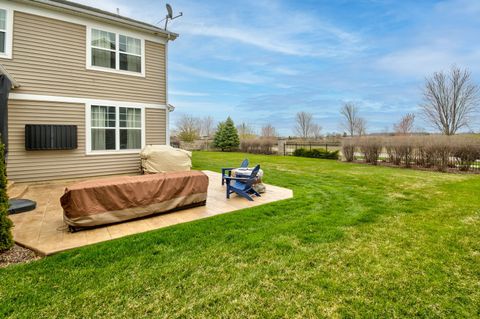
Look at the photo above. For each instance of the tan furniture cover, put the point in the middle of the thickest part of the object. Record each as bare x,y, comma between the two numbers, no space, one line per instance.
164,158
116,199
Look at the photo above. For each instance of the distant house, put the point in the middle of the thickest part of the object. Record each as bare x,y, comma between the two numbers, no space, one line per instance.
90,89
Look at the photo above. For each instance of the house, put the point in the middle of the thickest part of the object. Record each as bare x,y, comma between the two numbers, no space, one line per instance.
89,87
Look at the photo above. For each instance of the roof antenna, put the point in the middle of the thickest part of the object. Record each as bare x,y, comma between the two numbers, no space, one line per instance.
170,16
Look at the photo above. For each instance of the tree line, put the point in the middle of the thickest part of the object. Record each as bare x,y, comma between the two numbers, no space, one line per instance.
450,100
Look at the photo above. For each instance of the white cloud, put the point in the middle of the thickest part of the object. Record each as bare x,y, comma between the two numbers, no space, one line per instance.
447,35
417,61
242,78
276,40
284,70
269,26
187,93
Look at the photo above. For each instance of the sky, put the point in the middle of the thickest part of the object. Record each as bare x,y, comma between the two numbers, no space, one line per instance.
262,61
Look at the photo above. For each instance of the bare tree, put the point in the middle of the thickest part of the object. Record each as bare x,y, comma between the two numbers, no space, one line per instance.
449,100
360,126
405,125
350,123
269,131
207,129
188,128
304,124
245,131
316,131
206,126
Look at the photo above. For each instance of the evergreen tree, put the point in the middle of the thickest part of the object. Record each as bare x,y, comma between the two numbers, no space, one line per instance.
226,137
6,238
218,138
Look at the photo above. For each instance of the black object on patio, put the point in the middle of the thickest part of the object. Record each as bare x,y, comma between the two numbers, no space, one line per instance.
21,206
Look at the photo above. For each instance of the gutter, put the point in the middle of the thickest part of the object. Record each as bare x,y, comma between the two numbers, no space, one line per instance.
14,82
79,9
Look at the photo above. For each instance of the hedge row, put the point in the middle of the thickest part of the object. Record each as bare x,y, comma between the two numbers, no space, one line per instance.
432,151
316,153
258,145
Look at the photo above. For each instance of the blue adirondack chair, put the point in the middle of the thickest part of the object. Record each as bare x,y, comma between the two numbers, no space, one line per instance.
227,171
243,186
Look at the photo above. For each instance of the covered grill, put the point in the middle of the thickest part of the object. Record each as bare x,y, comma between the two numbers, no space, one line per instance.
164,158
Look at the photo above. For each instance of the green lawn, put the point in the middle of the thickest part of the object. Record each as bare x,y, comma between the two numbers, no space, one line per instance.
355,241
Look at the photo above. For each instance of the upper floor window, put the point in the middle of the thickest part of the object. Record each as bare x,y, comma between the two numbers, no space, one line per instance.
116,52
5,33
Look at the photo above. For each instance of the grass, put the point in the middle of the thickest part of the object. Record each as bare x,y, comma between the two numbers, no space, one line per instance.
355,241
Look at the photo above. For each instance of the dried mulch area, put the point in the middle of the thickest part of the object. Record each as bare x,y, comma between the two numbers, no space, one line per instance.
17,255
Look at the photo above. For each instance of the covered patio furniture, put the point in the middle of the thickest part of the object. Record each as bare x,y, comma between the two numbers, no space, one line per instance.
117,199
227,171
245,172
243,186
164,158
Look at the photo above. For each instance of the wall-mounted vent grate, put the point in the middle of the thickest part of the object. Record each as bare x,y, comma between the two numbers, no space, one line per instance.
50,137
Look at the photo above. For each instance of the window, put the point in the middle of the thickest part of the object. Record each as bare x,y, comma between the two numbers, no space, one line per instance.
117,52
6,33
130,54
3,29
115,128
130,128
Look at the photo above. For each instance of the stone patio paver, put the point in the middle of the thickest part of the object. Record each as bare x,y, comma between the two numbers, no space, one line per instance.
44,231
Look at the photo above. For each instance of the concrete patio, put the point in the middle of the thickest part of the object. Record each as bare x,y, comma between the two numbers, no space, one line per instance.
44,231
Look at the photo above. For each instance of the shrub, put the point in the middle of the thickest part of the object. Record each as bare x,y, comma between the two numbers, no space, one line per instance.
226,138
466,152
6,238
348,149
316,153
432,151
258,145
399,149
300,152
371,147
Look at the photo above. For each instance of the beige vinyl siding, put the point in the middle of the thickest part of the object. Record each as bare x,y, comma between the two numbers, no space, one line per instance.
30,166
49,58
155,124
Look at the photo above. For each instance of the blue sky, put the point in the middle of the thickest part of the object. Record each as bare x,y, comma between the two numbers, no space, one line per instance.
261,61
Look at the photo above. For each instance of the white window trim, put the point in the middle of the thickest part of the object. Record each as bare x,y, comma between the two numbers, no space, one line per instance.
8,34
65,99
117,32
88,130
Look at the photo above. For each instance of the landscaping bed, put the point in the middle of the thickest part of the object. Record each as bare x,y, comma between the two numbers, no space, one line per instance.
16,255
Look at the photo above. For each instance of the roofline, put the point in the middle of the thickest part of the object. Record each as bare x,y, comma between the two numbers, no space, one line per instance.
14,82
80,9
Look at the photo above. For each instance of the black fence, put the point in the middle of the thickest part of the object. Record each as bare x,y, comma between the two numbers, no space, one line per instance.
289,148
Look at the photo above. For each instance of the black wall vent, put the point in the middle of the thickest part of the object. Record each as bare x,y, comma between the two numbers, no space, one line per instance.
50,137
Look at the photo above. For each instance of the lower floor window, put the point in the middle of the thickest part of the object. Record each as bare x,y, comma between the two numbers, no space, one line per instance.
115,128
